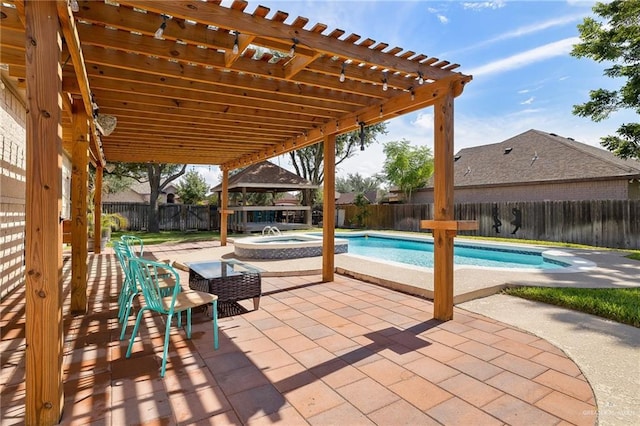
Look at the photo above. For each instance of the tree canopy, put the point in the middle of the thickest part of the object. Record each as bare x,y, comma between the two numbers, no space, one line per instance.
615,39
193,188
407,167
358,183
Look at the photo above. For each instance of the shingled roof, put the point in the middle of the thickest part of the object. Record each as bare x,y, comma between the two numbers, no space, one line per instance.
265,177
536,156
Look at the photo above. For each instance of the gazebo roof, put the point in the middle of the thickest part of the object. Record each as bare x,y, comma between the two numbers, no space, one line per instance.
266,177
188,97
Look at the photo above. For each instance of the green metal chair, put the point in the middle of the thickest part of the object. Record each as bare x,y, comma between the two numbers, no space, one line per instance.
130,288
123,253
135,244
146,273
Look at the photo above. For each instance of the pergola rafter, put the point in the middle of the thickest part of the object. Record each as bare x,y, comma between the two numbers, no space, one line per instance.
192,73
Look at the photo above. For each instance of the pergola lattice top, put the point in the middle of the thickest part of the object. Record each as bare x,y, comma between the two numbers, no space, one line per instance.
188,98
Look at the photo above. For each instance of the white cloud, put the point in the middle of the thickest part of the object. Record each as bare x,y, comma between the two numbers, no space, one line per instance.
528,101
479,5
558,48
443,19
424,121
519,32
537,27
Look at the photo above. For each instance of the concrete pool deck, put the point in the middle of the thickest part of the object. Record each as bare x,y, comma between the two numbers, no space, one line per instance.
607,352
611,270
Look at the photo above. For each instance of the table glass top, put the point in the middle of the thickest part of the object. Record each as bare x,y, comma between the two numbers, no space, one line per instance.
221,268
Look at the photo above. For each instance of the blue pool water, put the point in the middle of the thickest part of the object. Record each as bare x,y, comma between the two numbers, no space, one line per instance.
420,253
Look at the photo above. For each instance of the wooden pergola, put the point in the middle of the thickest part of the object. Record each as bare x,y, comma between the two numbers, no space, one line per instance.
199,83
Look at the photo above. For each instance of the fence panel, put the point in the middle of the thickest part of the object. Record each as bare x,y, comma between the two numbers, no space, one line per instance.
171,217
135,213
612,223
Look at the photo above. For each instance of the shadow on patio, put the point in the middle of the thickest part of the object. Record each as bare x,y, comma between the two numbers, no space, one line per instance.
344,352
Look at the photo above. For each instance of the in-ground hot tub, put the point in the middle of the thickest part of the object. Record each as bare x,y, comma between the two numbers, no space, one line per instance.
291,246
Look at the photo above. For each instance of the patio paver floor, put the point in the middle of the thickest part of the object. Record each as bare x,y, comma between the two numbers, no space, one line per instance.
343,352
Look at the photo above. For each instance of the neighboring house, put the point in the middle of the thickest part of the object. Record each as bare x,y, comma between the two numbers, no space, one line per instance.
140,193
539,166
371,197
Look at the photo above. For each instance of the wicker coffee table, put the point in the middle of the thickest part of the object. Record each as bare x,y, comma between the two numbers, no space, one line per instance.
230,280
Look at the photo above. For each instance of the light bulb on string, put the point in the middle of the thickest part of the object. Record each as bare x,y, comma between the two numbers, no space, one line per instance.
342,75
160,31
236,48
292,51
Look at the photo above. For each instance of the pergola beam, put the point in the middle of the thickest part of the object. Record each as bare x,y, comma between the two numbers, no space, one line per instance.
422,97
70,32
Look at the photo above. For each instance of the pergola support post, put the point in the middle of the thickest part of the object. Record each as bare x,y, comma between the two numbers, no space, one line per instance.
443,208
43,247
244,212
309,215
224,201
97,211
329,209
79,231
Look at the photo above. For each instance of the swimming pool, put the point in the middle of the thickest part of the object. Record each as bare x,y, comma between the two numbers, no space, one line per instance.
418,251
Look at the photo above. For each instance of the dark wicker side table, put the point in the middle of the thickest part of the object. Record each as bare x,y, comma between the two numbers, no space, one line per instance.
230,280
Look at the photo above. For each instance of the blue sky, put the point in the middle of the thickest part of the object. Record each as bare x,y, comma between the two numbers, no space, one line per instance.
517,52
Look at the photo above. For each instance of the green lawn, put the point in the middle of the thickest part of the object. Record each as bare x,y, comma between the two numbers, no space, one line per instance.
617,304
169,236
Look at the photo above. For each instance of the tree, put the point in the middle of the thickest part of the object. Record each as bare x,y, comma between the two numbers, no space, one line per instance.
361,204
308,162
358,183
158,176
193,188
407,167
616,39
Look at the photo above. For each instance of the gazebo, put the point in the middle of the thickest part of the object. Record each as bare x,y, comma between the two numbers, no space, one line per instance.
266,177
199,83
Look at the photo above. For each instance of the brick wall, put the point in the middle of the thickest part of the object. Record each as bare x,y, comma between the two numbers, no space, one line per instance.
12,189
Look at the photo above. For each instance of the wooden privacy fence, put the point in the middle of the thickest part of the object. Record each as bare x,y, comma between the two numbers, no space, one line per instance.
171,217
612,223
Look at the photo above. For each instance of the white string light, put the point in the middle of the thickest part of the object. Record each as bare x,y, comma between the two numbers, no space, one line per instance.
420,78
293,47
385,86
75,7
342,75
160,31
236,48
